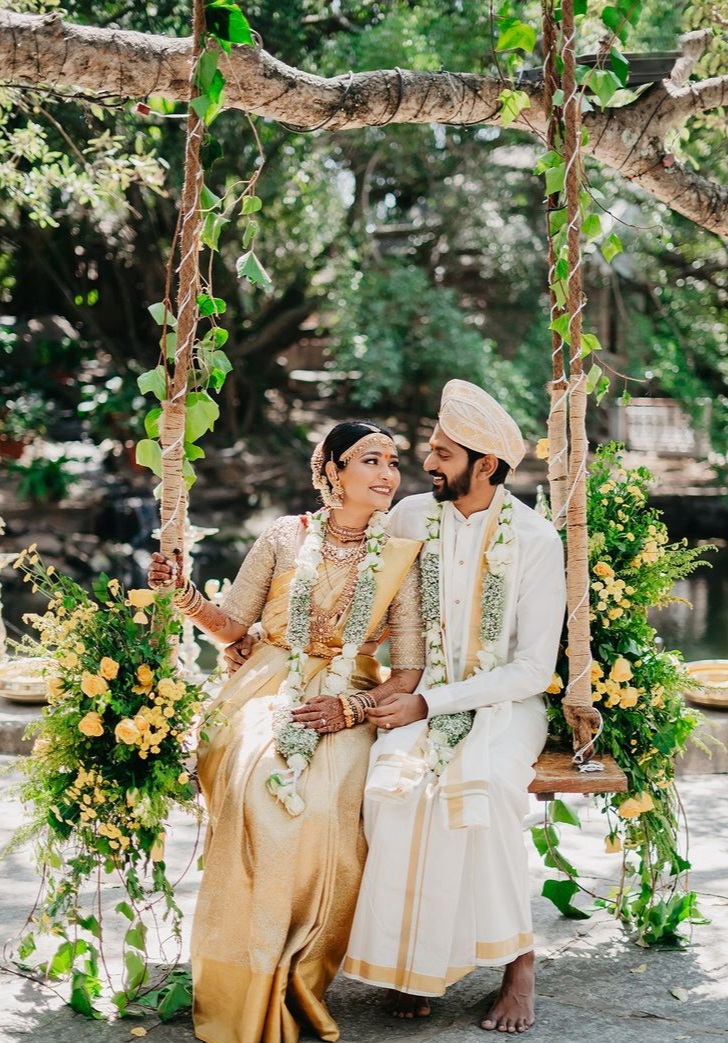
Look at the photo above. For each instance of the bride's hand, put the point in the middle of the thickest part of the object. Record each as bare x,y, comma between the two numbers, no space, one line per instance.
164,571
323,713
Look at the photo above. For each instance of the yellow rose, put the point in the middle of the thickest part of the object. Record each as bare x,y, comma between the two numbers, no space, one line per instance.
157,852
542,449
612,844
183,779
54,687
596,671
621,670
629,698
91,725
167,688
69,660
108,668
141,598
556,685
127,732
140,617
92,684
145,675
603,569
141,723
635,806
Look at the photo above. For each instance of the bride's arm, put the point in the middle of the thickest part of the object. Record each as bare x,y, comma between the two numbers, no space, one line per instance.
165,571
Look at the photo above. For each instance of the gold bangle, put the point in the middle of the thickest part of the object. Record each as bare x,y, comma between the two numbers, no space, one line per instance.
347,710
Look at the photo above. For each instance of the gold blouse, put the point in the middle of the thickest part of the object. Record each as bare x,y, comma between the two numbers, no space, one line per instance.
274,554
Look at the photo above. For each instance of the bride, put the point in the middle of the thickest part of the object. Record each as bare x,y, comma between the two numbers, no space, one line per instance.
282,765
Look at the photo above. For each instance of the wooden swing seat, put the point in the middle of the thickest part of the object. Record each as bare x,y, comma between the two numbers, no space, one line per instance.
555,773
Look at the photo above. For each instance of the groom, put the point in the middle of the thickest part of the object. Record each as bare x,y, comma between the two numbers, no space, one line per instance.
446,885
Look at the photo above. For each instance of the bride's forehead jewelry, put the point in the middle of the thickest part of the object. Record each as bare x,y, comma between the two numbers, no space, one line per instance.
377,440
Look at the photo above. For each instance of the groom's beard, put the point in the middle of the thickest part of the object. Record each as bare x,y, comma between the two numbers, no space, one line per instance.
453,489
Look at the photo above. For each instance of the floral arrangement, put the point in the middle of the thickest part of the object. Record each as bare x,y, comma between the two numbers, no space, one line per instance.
108,763
296,743
638,690
445,731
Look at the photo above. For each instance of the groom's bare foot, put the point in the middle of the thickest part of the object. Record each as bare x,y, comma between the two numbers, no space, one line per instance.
513,1010
402,1005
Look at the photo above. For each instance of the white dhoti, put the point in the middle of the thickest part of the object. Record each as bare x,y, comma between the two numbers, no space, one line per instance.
437,902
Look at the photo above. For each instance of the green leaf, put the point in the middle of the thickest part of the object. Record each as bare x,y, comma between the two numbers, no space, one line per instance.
90,924
602,388
589,343
193,452
208,199
619,64
561,812
548,159
558,98
162,315
62,961
611,247
604,84
136,971
615,22
593,378
226,21
561,269
136,936
515,35
210,305
592,226
557,219
149,454
555,179
177,998
560,325
513,103
125,909
154,382
249,234
251,205
249,267
206,69
212,226
560,892
168,344
82,994
202,413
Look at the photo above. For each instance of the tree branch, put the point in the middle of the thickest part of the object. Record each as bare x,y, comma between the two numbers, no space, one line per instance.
45,51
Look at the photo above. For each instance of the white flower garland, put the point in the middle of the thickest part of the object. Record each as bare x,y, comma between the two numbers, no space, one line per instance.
295,742
445,731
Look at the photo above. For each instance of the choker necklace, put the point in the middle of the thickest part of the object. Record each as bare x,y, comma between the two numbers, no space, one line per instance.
340,554
344,534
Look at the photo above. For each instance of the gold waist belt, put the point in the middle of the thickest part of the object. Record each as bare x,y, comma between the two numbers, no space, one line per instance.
314,649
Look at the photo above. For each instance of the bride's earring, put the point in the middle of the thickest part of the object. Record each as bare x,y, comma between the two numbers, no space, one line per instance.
333,497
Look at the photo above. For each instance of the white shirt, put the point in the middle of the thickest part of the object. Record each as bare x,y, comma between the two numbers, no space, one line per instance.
534,616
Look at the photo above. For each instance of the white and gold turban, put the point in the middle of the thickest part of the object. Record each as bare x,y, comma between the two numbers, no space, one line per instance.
472,418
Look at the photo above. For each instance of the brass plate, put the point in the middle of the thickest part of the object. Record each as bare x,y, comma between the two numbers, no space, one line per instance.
713,673
25,680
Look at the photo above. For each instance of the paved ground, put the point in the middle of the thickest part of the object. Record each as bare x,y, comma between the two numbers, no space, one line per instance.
594,985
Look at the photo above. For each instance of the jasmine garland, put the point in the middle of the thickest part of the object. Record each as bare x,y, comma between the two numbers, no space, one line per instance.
296,743
447,730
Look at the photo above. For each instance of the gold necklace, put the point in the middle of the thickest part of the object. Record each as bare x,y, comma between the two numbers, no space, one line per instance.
343,533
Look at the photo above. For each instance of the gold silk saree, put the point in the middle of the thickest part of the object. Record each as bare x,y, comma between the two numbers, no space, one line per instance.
278,892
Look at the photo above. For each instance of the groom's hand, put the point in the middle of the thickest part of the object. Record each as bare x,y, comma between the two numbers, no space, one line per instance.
398,709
